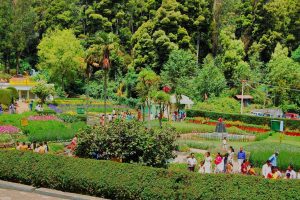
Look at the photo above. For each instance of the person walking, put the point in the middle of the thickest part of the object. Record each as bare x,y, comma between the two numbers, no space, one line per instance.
273,159
207,163
191,161
230,155
241,157
31,105
219,164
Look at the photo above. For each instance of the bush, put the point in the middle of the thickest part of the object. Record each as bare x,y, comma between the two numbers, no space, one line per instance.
130,142
291,124
6,97
68,118
132,182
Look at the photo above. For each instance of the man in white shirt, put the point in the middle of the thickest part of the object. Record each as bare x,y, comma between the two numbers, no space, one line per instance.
291,171
191,161
266,169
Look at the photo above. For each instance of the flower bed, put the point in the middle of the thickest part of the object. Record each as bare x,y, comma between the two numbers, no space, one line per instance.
242,127
9,129
291,133
43,118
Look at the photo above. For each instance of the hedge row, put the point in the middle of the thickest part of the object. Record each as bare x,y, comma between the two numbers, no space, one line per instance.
249,119
127,181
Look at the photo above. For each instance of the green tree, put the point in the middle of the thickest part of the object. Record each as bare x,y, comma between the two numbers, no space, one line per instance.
61,53
179,71
6,46
23,27
296,54
284,76
163,100
148,81
210,80
43,90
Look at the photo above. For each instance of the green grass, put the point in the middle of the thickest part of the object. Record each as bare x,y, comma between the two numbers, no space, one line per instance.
51,130
56,147
5,138
196,144
288,154
184,127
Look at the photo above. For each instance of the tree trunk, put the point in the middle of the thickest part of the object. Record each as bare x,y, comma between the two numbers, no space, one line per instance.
149,114
18,54
143,107
62,83
198,47
105,95
161,109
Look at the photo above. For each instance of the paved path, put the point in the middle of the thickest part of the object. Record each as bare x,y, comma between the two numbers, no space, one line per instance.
6,194
22,107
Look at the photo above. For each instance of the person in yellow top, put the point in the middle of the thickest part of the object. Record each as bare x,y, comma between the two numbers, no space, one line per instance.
251,171
42,149
24,147
273,174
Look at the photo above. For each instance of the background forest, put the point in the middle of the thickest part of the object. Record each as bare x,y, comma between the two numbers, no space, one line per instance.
200,48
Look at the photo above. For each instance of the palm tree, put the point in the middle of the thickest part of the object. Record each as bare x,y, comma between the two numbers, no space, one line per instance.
98,56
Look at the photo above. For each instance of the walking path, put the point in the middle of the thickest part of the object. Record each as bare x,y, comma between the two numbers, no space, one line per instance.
6,194
15,191
22,107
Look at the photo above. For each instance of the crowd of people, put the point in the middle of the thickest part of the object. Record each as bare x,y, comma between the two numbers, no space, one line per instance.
40,148
226,164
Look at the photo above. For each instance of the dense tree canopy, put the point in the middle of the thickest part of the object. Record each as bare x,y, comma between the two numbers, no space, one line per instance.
64,40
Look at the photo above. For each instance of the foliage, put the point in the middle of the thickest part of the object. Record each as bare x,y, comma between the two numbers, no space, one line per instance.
248,119
284,73
195,144
14,92
288,154
126,181
210,80
183,127
5,138
51,130
129,141
221,104
178,72
6,96
60,53
43,90
147,83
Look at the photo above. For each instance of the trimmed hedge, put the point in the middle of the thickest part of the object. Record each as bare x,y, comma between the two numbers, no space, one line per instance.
249,119
127,181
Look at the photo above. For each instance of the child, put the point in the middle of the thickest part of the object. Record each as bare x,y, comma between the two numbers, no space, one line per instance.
251,171
201,168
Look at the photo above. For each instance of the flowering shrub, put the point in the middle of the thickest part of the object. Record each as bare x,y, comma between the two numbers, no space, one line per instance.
43,118
8,129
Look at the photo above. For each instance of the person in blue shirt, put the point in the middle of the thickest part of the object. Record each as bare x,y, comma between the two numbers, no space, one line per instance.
241,157
273,159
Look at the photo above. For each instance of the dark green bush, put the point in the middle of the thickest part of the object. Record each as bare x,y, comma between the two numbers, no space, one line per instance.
129,141
6,97
127,181
46,112
249,119
14,92
68,118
